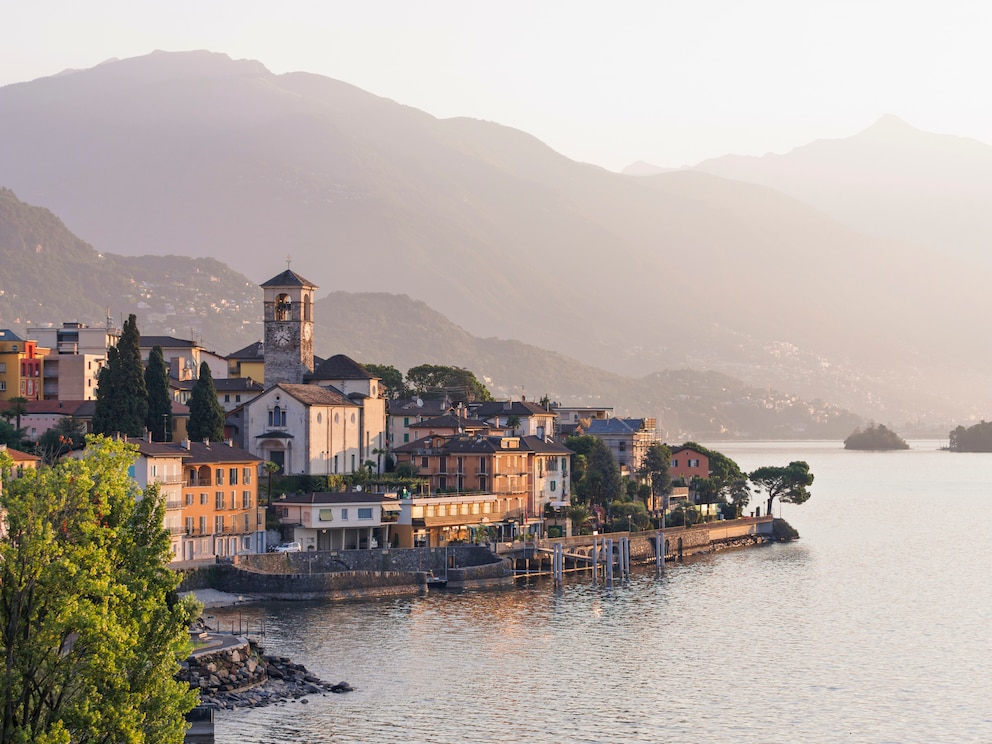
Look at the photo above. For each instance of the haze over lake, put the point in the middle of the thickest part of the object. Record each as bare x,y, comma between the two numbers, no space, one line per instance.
872,627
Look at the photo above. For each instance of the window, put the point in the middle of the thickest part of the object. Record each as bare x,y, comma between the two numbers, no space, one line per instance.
220,477
424,462
553,485
622,446
203,525
406,437
219,503
232,475
344,515
693,463
483,465
154,471
189,525
406,419
3,385
219,524
483,482
365,513
3,366
675,463
246,499
204,498
189,499
247,524
442,483
227,398
352,463
246,476
237,398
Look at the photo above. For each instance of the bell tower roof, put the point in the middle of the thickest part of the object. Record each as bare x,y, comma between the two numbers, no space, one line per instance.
289,279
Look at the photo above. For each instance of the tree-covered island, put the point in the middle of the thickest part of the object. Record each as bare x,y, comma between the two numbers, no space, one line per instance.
875,437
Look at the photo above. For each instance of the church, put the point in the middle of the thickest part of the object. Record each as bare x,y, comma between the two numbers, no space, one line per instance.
313,420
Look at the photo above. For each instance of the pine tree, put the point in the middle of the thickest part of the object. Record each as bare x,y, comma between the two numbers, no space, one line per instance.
122,400
206,417
159,419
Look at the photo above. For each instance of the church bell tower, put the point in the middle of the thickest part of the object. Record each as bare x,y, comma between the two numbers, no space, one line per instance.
288,328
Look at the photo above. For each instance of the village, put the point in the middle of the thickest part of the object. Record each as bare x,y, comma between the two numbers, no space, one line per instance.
406,472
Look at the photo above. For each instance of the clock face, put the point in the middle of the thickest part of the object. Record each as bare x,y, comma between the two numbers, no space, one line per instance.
281,336
307,331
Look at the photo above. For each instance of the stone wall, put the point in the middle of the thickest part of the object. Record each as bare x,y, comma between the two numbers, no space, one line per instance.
386,559
338,585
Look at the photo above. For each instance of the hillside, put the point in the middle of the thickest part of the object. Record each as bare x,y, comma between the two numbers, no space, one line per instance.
41,262
201,155
48,275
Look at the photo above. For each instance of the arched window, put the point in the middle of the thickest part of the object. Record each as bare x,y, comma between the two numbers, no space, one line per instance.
284,307
306,308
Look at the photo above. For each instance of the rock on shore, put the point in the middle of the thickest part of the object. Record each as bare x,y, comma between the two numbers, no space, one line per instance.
245,678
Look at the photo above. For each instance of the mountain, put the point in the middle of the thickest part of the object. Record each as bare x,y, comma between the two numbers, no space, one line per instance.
48,275
200,155
41,263
890,180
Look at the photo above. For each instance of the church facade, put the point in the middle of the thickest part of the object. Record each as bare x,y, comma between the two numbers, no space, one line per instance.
323,421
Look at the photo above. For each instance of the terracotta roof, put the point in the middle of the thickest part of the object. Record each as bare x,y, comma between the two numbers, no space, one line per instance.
289,279
18,456
340,367
314,395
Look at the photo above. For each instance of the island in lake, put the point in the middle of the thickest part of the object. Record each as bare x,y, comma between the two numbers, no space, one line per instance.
875,437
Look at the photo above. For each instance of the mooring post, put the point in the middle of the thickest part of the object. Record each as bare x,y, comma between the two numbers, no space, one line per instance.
609,558
627,556
595,558
659,558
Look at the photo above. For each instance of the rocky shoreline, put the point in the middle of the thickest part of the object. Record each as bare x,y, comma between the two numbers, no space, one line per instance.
243,677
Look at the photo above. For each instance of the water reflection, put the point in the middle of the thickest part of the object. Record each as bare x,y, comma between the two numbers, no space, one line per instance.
868,629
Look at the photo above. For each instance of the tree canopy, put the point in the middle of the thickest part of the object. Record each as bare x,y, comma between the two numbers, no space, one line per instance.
206,416
600,482
67,434
159,418
121,397
875,437
91,628
437,381
390,378
726,482
789,484
654,469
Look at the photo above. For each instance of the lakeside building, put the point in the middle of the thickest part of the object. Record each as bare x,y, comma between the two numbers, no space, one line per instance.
402,414
520,476
345,520
211,491
42,415
628,439
516,417
688,463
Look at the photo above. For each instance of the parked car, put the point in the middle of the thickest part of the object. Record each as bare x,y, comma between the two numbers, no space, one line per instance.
290,547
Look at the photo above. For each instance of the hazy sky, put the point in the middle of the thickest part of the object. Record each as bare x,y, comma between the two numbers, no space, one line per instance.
667,82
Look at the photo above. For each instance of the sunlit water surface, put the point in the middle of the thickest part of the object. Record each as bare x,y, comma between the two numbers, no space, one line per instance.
874,627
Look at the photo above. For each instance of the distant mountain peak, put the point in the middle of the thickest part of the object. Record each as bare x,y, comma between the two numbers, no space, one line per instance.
890,126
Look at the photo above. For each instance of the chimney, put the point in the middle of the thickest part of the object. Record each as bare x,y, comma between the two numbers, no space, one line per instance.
184,444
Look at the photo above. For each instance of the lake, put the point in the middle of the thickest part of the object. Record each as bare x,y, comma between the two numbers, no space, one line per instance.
873,627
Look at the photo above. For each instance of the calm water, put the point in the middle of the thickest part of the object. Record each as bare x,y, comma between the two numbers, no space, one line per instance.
874,627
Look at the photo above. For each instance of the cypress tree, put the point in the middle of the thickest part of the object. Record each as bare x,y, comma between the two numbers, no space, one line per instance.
206,416
159,420
121,397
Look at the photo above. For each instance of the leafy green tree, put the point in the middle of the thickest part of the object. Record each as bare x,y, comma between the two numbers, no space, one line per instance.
206,416
790,484
121,397
91,628
726,481
390,378
437,381
579,514
601,482
875,437
630,515
159,419
66,435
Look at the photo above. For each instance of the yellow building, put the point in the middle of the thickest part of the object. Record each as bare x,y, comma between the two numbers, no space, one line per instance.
248,362
21,367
